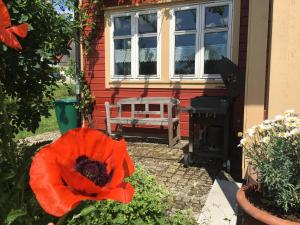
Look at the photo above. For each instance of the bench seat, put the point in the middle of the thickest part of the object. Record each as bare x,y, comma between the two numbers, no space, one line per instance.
165,118
142,121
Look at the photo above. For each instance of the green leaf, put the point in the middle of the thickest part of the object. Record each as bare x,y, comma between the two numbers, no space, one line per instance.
13,215
24,18
9,175
85,211
15,10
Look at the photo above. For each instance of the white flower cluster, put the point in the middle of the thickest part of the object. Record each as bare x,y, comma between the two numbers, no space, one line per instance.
284,127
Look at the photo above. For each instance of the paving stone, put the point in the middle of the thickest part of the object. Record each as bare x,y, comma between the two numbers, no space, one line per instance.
181,173
190,186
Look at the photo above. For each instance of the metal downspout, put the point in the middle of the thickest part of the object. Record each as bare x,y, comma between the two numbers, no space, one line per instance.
269,44
78,63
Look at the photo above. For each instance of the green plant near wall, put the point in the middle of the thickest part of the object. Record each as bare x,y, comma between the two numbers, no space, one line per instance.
86,103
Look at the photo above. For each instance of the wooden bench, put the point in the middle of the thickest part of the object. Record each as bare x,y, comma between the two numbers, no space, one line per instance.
143,105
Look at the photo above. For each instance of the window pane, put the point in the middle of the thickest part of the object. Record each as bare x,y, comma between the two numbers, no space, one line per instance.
147,55
148,23
185,19
216,16
122,56
185,54
122,25
215,47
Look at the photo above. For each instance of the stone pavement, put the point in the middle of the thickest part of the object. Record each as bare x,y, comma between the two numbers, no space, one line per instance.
189,186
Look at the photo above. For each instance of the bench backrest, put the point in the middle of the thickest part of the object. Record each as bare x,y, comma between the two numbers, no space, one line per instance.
149,100
161,101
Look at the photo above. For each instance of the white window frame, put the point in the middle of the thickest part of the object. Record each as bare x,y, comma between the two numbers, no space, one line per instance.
199,53
173,33
112,46
135,46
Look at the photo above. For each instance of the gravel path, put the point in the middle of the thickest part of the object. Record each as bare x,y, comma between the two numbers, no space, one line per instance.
188,186
45,137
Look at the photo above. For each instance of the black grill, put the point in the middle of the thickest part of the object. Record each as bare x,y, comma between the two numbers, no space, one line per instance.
209,116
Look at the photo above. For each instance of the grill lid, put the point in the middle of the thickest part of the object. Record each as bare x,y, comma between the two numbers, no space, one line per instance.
208,104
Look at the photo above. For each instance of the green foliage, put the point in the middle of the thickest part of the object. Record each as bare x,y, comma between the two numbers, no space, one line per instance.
26,82
149,206
274,151
64,90
180,218
17,203
26,75
14,215
86,103
48,124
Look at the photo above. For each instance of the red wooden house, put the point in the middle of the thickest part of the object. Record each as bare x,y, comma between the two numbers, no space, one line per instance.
159,49
162,49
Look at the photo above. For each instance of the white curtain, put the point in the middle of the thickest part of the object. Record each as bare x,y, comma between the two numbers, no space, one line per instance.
185,53
122,55
147,55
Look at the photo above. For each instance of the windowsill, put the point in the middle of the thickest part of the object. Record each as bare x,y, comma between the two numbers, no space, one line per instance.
189,84
146,4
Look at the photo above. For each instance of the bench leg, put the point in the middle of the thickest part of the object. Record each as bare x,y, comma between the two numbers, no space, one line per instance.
119,128
170,133
107,112
108,126
178,131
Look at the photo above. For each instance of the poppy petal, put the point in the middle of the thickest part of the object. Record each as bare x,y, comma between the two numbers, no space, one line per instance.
117,178
20,30
45,181
4,16
117,157
9,39
123,193
121,163
128,165
67,147
97,145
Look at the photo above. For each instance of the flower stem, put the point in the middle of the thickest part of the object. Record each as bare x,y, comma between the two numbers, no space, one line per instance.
61,220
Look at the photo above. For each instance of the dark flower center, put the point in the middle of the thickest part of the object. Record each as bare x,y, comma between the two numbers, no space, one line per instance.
93,170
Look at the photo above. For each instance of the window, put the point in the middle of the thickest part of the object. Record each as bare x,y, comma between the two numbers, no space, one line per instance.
122,46
185,41
135,45
200,35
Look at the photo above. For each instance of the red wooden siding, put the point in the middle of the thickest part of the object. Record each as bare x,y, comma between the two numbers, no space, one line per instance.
95,70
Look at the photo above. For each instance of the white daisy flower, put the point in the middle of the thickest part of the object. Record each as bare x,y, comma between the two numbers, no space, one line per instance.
243,142
278,117
295,131
266,140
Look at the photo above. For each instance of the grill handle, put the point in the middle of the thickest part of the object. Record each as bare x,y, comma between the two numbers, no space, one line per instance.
188,109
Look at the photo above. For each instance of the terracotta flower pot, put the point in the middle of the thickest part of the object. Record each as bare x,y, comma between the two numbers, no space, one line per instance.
255,216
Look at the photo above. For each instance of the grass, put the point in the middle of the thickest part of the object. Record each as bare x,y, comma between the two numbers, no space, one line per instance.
50,124
63,91
46,125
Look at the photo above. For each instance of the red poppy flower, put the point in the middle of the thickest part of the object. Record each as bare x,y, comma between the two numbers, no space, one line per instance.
83,164
7,32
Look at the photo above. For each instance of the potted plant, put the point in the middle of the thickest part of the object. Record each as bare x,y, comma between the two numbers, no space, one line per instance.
273,151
